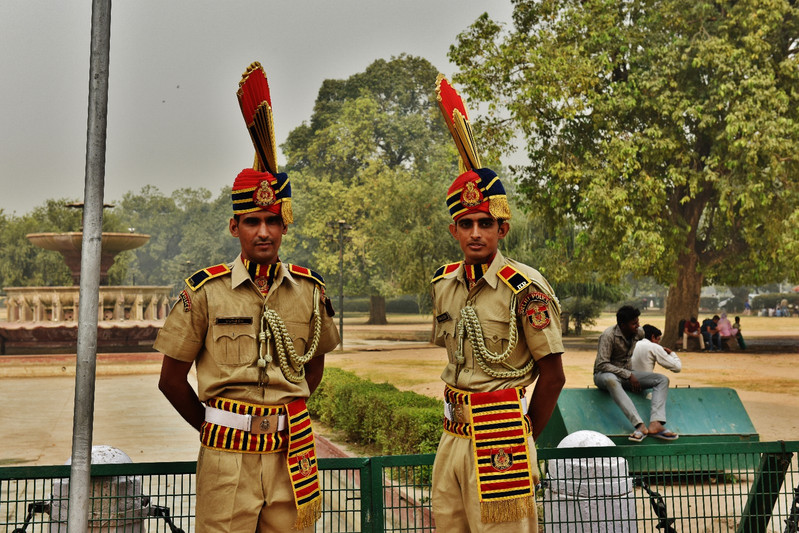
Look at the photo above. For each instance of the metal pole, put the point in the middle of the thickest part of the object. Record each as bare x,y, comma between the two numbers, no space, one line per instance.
341,282
80,471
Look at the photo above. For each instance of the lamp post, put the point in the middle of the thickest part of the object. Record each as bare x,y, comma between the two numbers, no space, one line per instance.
342,227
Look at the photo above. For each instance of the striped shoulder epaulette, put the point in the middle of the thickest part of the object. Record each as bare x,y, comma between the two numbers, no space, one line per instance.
513,278
196,280
444,270
307,273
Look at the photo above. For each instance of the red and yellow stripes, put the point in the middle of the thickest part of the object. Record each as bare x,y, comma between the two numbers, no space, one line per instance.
238,440
301,459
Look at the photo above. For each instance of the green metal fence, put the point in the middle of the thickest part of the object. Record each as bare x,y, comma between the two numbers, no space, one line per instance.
730,487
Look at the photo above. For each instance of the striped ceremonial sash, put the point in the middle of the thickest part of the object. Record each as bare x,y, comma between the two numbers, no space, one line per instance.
238,440
301,459
501,453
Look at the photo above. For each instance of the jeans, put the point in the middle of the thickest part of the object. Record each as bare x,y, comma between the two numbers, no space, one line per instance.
712,342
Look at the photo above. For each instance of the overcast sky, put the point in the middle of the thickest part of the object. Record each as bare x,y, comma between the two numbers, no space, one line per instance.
173,118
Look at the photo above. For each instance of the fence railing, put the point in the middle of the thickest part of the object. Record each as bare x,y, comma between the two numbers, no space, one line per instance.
674,488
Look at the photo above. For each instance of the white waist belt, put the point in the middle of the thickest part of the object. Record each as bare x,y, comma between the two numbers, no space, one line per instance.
449,409
237,421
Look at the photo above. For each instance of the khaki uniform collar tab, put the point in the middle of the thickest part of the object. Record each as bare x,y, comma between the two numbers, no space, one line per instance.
492,274
238,273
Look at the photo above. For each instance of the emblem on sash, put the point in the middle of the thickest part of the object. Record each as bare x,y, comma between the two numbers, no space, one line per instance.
305,463
535,306
501,460
260,282
264,196
471,195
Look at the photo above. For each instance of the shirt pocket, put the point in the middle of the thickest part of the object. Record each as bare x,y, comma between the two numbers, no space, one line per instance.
496,335
445,336
234,344
300,333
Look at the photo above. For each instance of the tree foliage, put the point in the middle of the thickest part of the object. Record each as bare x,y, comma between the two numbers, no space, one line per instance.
665,132
377,155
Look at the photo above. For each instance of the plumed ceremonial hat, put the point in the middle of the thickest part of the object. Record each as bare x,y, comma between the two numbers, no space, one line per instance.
261,187
476,189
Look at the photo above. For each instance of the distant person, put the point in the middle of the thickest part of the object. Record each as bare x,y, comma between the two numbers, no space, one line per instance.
613,373
738,336
726,329
710,333
648,351
691,330
747,307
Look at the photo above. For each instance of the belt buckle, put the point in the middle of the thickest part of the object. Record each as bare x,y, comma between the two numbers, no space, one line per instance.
260,425
460,414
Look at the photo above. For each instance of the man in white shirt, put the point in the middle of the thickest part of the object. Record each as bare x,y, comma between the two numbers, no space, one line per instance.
648,351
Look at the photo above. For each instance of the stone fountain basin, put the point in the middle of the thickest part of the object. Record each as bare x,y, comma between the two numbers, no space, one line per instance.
72,241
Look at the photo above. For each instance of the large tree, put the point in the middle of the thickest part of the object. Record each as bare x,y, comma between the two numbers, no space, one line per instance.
376,154
666,132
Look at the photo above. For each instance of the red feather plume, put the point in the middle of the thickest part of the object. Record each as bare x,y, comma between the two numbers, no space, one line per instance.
256,107
454,111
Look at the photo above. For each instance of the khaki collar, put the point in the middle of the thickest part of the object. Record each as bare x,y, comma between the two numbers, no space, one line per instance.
239,275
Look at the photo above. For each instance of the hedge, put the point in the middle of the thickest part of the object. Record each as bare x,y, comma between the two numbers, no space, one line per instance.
395,422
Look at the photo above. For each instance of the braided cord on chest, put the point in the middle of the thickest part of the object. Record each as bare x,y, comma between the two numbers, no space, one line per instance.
273,327
469,327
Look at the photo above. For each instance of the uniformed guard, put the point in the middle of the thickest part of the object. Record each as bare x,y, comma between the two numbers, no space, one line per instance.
500,323
257,330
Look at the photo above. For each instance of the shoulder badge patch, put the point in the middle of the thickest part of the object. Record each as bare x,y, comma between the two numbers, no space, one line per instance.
307,273
513,278
444,270
535,308
184,297
196,280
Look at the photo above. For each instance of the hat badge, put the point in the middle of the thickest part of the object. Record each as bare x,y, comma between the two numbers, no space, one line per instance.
471,195
264,196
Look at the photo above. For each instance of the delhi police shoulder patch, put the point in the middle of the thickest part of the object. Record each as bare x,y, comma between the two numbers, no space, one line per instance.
196,280
535,308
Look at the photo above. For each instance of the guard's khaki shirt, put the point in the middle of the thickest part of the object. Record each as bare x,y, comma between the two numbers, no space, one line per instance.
491,299
218,330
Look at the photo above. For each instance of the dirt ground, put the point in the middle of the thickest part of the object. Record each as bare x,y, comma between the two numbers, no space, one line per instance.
131,414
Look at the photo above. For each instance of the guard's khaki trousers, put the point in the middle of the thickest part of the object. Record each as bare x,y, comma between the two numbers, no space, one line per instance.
456,500
244,493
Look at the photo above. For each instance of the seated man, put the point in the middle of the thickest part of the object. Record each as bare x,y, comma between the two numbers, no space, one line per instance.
710,333
613,373
692,331
648,351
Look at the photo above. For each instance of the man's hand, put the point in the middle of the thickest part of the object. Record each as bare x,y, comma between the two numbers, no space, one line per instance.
635,385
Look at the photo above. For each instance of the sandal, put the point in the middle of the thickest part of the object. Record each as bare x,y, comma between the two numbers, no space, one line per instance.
665,435
637,436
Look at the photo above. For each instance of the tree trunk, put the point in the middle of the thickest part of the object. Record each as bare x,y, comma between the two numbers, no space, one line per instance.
377,310
682,301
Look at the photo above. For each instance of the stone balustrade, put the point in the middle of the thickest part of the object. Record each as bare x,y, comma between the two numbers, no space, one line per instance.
60,304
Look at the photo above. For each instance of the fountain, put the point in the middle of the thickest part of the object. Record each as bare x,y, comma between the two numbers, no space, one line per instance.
44,319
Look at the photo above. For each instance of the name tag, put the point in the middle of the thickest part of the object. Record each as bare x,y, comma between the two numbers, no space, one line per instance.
234,320
443,317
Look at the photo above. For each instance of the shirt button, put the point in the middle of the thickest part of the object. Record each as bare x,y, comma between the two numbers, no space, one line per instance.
495,337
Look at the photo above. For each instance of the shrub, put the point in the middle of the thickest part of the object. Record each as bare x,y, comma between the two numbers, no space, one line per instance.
379,414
